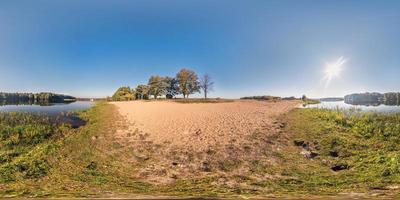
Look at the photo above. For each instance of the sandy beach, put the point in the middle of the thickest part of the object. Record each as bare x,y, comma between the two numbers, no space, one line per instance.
173,140
200,125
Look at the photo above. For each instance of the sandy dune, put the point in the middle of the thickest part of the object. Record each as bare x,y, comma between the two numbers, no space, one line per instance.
200,125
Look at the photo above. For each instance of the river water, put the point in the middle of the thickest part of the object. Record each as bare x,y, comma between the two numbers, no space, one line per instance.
362,108
49,109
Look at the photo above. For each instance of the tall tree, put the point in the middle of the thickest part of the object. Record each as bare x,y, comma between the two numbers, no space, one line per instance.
206,84
172,87
157,86
188,82
142,92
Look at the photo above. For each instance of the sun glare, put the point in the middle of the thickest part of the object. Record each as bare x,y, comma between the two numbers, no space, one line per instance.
333,70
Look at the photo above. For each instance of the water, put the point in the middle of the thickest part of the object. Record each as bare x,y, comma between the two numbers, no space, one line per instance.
49,109
363,108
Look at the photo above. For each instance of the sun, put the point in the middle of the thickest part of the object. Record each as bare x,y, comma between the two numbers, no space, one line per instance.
333,70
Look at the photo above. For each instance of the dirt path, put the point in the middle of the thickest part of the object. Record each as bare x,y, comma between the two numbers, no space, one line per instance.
172,140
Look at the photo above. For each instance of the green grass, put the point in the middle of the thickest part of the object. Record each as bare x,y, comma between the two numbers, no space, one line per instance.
25,142
366,142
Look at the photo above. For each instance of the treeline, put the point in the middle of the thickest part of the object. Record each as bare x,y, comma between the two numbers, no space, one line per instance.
186,82
46,97
390,98
265,97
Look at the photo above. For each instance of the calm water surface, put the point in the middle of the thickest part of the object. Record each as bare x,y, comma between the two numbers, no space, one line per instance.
51,109
363,108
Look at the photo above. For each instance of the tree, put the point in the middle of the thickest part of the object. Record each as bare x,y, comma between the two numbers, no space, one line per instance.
206,84
157,86
142,92
188,82
123,94
172,87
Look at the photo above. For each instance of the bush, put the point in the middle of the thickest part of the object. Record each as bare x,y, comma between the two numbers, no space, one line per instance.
123,94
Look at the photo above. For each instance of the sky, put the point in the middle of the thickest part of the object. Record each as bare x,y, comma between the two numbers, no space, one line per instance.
269,47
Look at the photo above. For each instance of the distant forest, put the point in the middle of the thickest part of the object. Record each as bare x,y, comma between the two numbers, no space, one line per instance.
43,97
391,98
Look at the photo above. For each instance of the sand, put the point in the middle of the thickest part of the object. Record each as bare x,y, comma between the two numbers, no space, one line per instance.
171,140
200,125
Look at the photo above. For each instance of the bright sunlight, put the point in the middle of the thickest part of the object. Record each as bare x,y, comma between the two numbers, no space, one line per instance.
333,70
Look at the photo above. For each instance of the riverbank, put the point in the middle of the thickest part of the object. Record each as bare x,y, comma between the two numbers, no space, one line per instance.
59,161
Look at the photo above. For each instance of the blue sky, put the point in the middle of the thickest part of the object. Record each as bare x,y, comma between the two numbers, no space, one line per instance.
90,48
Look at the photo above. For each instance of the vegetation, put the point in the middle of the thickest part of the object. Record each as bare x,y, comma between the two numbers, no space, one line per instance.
311,101
391,98
172,87
343,151
42,159
266,97
206,84
25,140
307,101
142,92
123,94
329,152
84,162
157,86
186,82
35,97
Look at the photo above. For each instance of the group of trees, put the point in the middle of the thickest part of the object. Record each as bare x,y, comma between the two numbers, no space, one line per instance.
390,98
186,82
35,97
